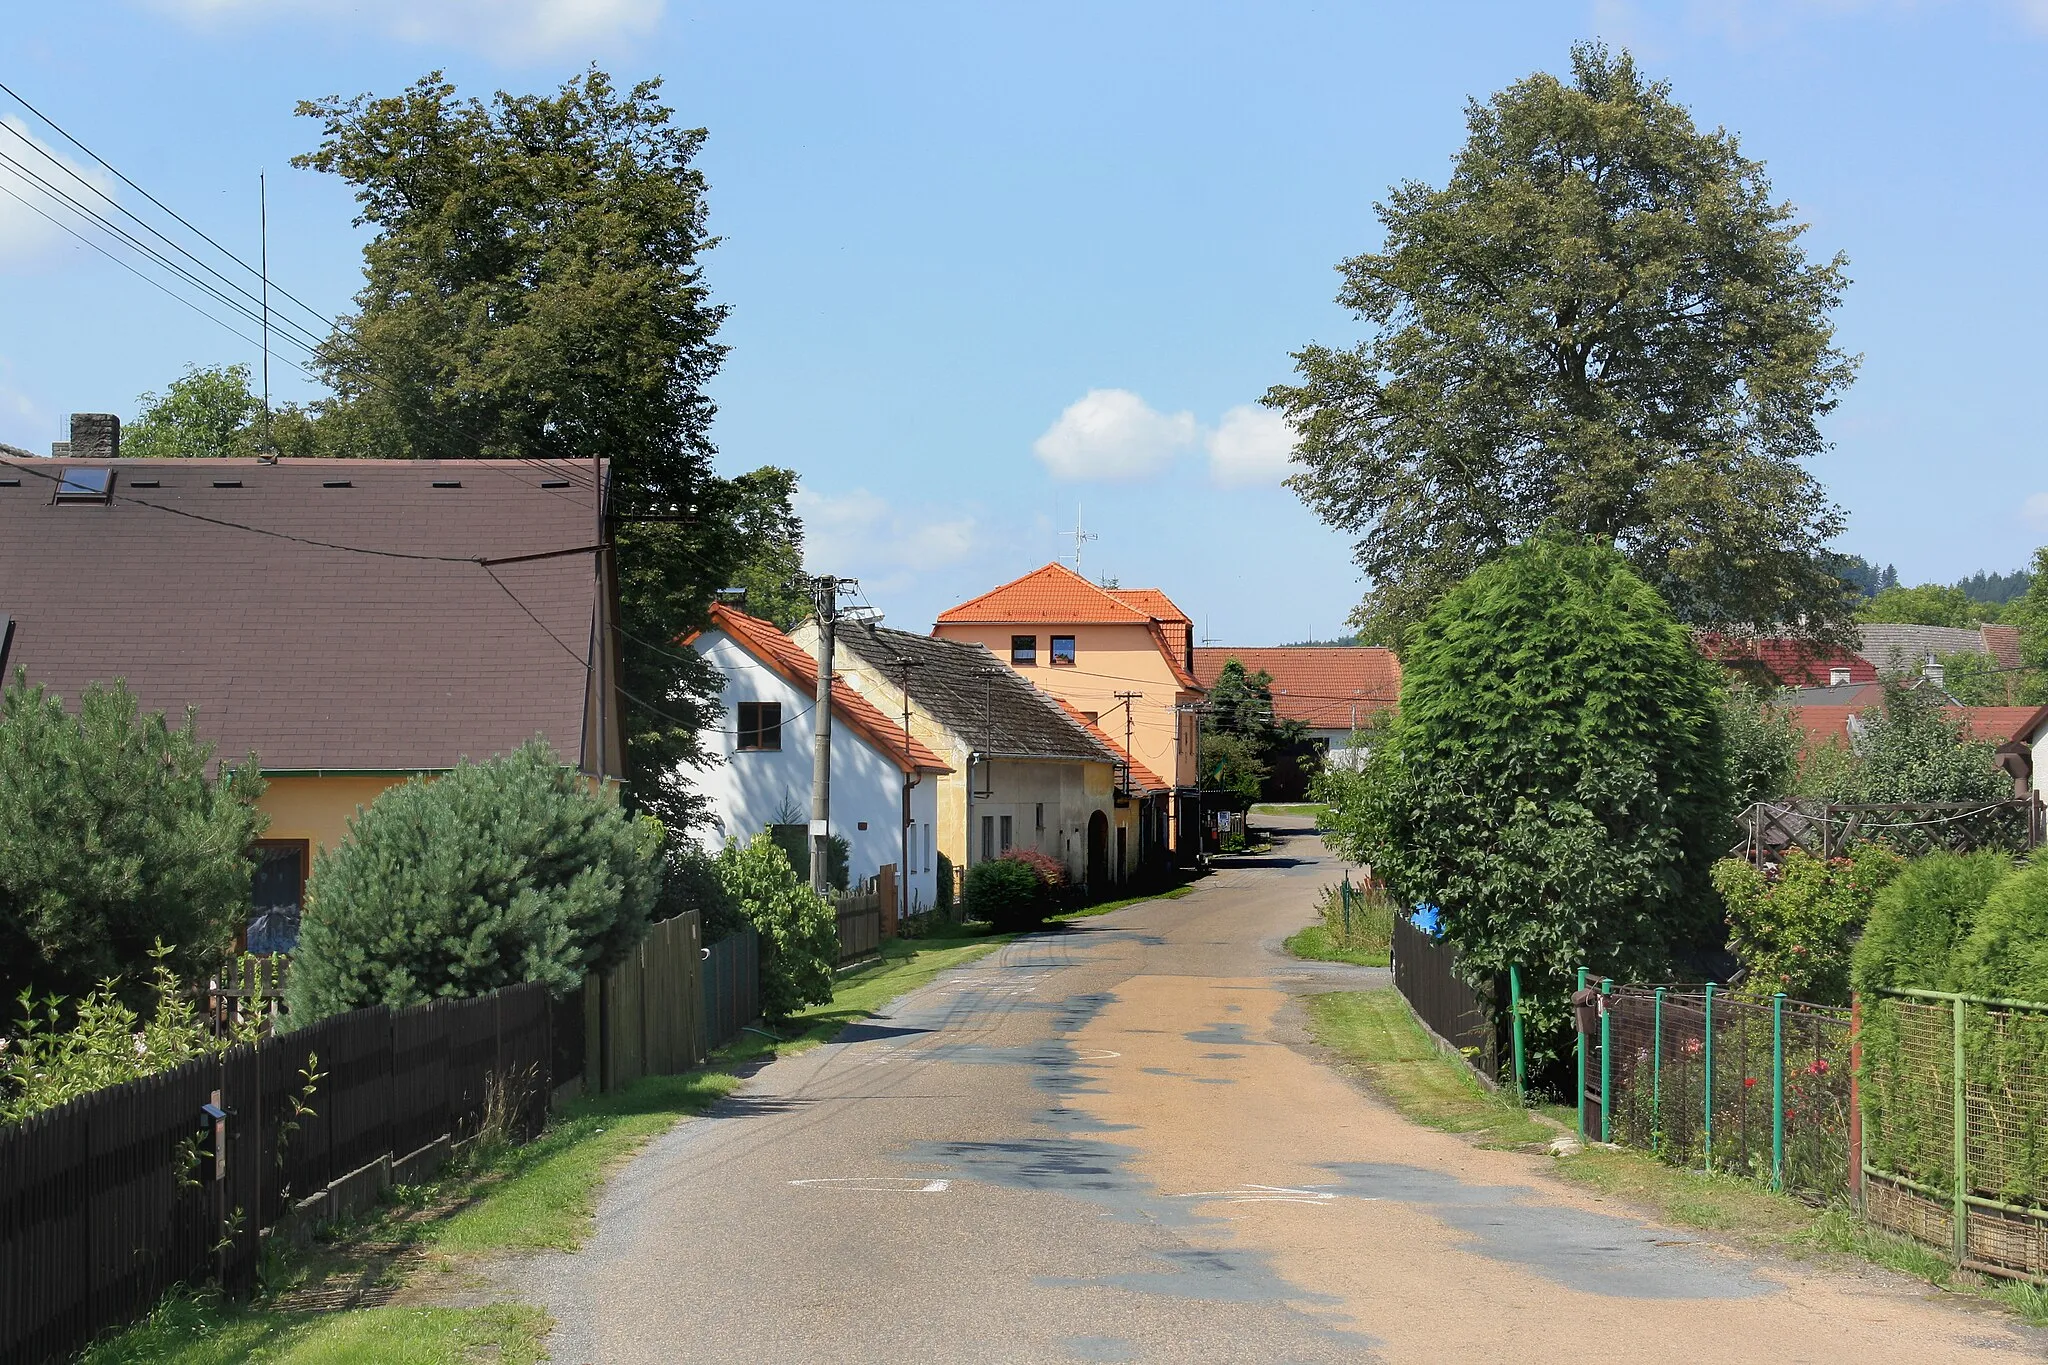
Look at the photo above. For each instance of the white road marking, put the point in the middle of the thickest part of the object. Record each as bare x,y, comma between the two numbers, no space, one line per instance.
1096,1054
1250,1193
879,1184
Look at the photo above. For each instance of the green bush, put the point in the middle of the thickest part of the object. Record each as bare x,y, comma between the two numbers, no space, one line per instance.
111,839
1792,928
1555,781
1919,921
46,1062
798,927
693,883
1008,893
493,874
795,842
2006,954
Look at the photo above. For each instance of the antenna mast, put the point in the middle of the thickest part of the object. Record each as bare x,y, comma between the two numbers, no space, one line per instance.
263,246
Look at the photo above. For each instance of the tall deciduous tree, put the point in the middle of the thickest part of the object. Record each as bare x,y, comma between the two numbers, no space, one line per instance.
1556,781
207,413
535,289
1603,320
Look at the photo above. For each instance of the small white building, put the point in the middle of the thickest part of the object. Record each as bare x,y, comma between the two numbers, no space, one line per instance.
883,792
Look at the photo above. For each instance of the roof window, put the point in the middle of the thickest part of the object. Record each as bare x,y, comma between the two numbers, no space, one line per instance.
85,485
337,483
447,483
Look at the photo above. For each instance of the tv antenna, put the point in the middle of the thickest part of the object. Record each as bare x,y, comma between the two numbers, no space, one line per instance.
1080,536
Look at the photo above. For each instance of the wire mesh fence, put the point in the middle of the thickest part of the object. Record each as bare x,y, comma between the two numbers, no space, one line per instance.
1956,1125
1705,1079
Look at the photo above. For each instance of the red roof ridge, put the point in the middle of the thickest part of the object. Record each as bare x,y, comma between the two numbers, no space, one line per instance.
768,644
1058,577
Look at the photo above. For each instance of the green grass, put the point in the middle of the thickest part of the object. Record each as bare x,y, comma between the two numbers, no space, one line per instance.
1315,944
1376,1035
1091,911
187,1331
1314,808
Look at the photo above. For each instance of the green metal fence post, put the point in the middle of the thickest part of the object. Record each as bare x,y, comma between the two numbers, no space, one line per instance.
1347,908
1778,1091
1657,1070
1515,1019
1961,1214
1707,1089
1582,1061
1606,1052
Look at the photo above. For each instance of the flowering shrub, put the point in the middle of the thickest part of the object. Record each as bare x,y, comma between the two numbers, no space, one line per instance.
45,1064
1792,926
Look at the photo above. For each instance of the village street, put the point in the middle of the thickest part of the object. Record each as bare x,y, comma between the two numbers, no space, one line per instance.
1113,1143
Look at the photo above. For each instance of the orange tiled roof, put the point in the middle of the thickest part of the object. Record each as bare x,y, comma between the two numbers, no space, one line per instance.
2003,643
1994,723
1056,595
1142,779
762,640
1323,686
1053,595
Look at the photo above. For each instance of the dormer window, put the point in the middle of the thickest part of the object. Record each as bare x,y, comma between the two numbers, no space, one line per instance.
1838,677
85,485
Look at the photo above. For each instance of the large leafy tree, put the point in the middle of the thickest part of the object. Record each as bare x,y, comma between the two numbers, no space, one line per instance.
534,288
1603,321
114,839
1930,604
1556,781
206,413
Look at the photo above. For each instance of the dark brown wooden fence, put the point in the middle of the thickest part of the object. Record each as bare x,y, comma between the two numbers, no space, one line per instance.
860,925
110,1200
732,986
1426,974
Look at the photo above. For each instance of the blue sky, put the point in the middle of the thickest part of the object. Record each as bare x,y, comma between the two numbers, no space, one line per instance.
989,265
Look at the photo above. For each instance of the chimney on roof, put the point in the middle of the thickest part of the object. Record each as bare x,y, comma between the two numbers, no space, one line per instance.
1932,671
95,436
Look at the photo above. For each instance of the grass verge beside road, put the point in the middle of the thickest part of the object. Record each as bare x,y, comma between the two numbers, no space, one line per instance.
1364,937
537,1196
1375,1035
1314,809
1091,911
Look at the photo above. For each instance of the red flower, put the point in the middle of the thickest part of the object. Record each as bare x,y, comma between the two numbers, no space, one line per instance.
1748,1081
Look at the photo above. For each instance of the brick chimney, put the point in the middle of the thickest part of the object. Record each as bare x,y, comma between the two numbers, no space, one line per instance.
95,436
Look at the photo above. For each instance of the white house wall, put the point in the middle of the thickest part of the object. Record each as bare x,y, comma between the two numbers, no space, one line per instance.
748,791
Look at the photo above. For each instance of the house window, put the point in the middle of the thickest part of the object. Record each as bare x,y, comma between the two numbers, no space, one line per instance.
1063,651
85,485
988,837
1838,677
1041,815
277,894
927,847
760,725
1023,649
1006,834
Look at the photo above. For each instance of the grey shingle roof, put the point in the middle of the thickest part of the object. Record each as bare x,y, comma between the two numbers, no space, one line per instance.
969,691
1907,647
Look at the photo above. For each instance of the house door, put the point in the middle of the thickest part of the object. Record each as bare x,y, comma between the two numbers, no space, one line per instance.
1098,853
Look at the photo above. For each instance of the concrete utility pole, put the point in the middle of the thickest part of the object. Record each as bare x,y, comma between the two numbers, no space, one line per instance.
825,591
903,665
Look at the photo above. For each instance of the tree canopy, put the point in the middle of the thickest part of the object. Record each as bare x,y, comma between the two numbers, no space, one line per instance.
1603,321
535,289
113,839
1930,604
208,413
1555,781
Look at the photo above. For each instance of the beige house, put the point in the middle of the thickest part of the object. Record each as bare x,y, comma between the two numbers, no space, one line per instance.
1122,657
1025,773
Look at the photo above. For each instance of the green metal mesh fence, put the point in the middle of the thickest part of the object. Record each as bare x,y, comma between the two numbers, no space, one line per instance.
1763,1091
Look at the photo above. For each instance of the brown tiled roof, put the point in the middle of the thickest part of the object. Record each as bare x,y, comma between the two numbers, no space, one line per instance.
312,656
762,640
1323,686
1142,778
1174,624
1994,723
1793,663
2004,644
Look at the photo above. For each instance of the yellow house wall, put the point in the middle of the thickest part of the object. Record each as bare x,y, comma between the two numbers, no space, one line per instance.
318,809
1107,660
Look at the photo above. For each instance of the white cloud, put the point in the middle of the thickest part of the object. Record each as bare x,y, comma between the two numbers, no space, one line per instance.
1250,445
25,235
1113,434
511,30
864,535
2034,511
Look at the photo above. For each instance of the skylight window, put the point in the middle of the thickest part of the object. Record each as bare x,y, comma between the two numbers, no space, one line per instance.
85,485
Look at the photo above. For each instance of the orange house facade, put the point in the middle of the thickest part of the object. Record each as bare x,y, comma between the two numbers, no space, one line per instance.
1121,657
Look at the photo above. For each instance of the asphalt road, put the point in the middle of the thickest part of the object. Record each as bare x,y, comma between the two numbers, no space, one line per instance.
1113,1143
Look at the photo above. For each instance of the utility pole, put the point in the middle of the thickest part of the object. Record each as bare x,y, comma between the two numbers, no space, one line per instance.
903,664
825,590
1124,699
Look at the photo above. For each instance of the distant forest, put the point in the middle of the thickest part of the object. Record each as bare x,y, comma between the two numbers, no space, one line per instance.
1993,589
